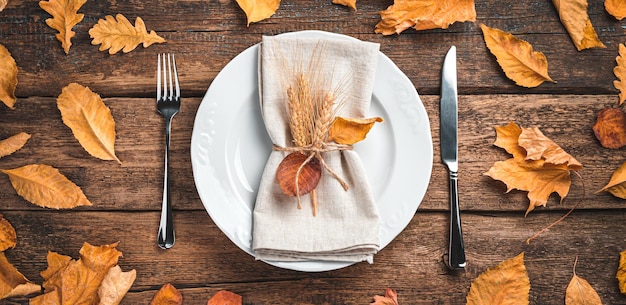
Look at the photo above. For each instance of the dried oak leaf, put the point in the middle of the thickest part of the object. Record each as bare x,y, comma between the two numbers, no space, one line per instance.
68,281
573,15
516,57
349,3
167,295
257,10
579,292
90,120
45,186
617,184
617,8
308,174
118,34
8,237
12,282
115,285
64,17
506,284
13,143
620,73
225,297
621,272
610,128
350,130
390,298
538,166
8,77
424,15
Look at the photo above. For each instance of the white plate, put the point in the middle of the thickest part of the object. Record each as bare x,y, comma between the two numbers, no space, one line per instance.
229,148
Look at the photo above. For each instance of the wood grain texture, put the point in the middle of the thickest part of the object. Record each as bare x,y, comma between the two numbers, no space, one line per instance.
206,35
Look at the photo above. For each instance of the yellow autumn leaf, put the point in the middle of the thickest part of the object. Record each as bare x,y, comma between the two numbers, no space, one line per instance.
620,73
167,295
115,285
617,8
8,237
257,10
350,130
617,184
8,77
573,15
13,143
516,57
118,33
12,282
64,17
3,4
349,3
506,284
45,186
580,292
540,147
424,15
90,120
621,272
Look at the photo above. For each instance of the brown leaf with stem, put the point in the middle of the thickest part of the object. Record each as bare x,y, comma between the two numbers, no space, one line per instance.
90,120
617,184
118,33
45,186
8,237
621,272
12,282
424,15
617,8
610,128
167,295
573,15
257,10
351,130
115,285
349,3
506,284
580,292
8,77
64,17
390,298
620,73
225,297
516,57
13,143
298,174
541,172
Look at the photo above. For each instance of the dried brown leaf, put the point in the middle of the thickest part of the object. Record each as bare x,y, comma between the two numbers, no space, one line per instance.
118,33
225,297
349,3
617,8
45,186
8,237
580,292
115,285
350,130
573,15
390,298
506,284
610,128
64,17
621,272
167,295
12,282
257,10
308,177
620,73
617,184
8,77
424,15
90,120
13,143
516,57
3,4
539,147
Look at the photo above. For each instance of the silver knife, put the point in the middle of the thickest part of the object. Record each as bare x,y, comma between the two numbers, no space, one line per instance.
449,155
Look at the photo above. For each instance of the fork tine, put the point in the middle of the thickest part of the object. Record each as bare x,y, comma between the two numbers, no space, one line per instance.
169,74
158,77
165,88
176,77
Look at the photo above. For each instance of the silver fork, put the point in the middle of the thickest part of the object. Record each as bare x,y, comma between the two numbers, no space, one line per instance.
168,104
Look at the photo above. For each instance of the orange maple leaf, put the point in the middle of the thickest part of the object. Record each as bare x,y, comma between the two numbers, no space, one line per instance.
424,15
225,297
538,166
167,295
390,298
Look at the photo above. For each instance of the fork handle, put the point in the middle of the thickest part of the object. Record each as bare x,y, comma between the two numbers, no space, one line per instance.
166,236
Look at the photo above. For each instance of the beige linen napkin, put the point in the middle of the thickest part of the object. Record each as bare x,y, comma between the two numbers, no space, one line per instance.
346,225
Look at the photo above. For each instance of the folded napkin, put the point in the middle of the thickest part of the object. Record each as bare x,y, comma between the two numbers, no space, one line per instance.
346,224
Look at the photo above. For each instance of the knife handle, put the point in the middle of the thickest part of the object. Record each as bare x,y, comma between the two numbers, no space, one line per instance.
456,252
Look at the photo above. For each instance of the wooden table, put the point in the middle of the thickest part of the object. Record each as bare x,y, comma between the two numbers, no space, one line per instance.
206,35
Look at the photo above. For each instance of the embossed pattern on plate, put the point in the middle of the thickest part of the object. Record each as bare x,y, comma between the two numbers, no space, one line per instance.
229,148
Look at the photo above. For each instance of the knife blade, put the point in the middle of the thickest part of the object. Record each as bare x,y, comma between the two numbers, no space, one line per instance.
449,155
